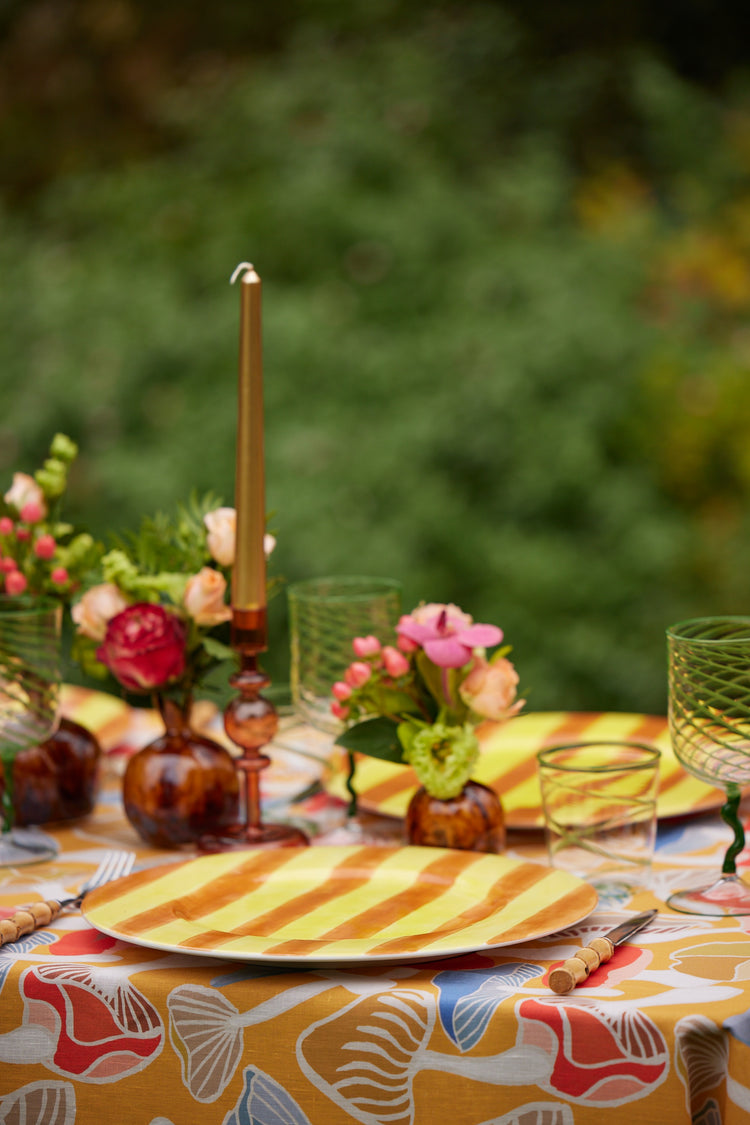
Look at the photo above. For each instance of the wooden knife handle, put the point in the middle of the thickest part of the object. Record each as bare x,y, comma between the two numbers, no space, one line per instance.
30,918
566,976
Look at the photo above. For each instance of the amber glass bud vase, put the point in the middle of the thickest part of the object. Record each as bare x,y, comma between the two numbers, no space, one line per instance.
181,786
472,821
57,779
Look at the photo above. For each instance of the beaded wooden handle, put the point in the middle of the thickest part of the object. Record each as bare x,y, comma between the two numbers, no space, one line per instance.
566,976
30,918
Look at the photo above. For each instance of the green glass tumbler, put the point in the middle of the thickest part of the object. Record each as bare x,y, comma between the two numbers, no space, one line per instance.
709,725
29,701
325,614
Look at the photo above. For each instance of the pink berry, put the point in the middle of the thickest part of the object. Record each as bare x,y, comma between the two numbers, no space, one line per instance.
31,512
407,645
7,565
15,582
6,525
339,710
44,547
394,662
23,533
366,646
60,576
341,690
357,674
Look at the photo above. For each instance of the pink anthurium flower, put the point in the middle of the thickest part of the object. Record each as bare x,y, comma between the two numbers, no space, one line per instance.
447,635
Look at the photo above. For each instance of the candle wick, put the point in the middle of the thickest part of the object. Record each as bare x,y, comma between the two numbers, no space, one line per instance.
242,266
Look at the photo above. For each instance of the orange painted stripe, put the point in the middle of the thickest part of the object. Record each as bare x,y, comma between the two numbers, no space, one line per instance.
575,901
431,882
212,896
499,894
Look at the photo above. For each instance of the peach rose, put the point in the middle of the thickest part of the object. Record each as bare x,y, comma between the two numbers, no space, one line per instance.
221,525
204,597
96,609
23,491
489,689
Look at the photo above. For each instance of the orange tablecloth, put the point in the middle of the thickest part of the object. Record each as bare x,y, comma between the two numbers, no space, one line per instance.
95,1029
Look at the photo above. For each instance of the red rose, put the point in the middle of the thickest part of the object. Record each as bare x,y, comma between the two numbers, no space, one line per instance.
144,647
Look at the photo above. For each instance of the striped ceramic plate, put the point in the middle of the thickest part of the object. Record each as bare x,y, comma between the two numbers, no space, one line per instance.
339,904
508,765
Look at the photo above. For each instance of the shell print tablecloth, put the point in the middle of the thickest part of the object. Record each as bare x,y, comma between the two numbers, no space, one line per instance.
97,1027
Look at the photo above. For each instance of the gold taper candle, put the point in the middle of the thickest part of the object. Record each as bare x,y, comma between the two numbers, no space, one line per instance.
249,573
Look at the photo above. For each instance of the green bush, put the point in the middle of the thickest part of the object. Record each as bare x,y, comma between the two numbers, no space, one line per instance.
469,380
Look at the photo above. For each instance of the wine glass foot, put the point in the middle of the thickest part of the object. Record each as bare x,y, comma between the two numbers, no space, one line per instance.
21,846
726,896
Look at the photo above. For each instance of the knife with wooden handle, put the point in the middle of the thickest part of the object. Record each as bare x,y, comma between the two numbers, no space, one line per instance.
578,967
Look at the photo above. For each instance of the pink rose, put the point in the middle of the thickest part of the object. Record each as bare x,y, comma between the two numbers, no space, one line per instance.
24,490
144,647
221,525
96,609
204,597
490,689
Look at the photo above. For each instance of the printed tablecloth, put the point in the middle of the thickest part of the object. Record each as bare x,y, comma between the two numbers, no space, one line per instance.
93,1028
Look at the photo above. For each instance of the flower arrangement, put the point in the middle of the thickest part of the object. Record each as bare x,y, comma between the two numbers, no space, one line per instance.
159,620
420,701
41,555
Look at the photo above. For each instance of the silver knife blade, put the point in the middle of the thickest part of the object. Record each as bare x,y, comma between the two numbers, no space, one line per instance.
626,929
566,976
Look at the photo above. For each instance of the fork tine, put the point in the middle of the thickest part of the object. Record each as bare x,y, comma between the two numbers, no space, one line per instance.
114,865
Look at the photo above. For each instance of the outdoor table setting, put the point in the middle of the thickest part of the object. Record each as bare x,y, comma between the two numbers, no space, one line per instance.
401,890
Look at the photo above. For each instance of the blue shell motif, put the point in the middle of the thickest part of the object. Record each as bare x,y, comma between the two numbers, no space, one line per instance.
468,998
16,950
264,1102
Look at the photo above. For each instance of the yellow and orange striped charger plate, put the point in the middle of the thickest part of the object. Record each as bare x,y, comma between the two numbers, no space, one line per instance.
339,904
508,764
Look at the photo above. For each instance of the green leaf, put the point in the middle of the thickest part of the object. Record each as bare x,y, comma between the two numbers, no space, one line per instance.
377,738
217,649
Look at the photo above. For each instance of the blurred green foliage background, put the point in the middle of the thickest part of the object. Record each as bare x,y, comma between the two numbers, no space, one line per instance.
506,270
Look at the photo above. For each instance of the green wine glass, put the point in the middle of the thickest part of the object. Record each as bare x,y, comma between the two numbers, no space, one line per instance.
709,724
29,701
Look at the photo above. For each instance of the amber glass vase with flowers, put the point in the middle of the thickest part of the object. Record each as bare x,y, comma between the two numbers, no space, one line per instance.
43,558
159,623
419,703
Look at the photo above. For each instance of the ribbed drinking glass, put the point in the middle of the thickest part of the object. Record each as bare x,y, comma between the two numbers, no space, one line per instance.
709,724
29,699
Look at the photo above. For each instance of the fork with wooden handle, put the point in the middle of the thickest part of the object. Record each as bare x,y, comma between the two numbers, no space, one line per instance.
39,914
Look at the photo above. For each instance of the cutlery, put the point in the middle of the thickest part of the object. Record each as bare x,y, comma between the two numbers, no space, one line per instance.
39,914
583,962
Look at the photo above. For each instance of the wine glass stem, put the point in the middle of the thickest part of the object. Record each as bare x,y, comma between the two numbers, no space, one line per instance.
351,811
730,817
6,805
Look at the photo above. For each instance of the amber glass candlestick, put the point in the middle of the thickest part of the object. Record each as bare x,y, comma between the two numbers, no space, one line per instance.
251,722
